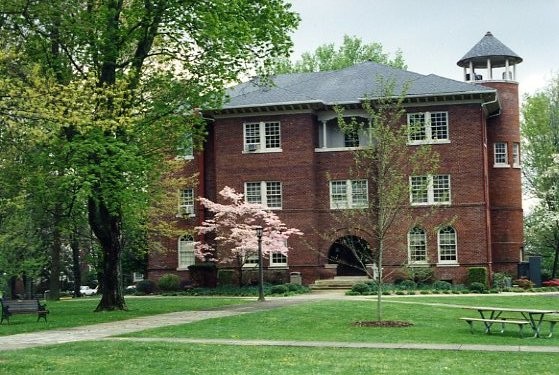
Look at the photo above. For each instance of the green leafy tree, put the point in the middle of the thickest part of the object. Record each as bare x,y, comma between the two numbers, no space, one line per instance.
327,57
118,89
386,162
540,132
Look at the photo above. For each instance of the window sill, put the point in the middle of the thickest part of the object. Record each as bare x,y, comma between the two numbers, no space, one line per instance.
517,166
453,264
337,149
186,157
430,142
279,267
183,268
501,165
430,204
264,151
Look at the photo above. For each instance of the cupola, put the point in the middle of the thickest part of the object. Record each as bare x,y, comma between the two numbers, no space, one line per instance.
489,60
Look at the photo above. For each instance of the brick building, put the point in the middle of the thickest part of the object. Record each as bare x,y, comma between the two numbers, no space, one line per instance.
281,145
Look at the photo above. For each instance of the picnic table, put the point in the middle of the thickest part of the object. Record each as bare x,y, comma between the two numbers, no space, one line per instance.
492,315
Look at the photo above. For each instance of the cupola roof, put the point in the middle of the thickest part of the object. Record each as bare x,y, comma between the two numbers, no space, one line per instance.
491,48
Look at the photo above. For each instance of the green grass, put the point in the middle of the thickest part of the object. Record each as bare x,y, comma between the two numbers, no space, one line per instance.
174,358
332,321
316,321
79,312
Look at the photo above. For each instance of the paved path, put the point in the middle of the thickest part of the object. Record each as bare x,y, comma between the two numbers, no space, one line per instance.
105,331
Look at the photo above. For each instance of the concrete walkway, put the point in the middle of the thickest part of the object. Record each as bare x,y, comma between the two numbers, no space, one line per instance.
105,331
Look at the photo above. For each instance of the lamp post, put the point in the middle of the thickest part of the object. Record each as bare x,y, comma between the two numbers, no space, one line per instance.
259,231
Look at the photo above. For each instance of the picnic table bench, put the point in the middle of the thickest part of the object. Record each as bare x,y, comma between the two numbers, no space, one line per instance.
25,306
532,317
489,322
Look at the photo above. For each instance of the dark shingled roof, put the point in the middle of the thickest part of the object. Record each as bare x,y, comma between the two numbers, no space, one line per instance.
489,46
344,86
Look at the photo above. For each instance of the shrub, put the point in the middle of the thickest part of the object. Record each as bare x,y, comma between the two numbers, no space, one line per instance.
145,287
400,275
442,285
407,285
279,289
554,282
501,281
294,287
422,276
477,287
361,288
524,283
169,283
477,275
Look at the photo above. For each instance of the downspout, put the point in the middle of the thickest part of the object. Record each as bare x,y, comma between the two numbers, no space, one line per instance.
485,155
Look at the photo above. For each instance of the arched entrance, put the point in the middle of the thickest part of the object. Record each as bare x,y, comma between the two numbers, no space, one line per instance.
350,253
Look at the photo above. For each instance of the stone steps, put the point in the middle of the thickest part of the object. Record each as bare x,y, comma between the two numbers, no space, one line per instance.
338,282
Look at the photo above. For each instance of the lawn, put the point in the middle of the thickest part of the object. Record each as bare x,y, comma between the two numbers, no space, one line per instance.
313,321
79,311
174,358
332,321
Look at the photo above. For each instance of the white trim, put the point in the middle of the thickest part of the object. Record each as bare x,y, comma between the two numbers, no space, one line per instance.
264,193
185,240
348,204
516,160
417,262
431,191
260,146
447,262
504,164
428,128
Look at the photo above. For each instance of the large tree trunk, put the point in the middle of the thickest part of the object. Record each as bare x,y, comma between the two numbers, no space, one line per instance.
107,228
54,280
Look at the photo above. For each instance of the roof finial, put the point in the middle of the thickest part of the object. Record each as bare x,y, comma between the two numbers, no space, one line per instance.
488,33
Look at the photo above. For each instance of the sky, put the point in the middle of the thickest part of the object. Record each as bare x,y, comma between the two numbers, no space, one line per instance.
434,34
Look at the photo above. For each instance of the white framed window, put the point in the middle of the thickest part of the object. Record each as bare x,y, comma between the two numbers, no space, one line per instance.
430,190
137,276
428,127
500,155
417,245
185,150
349,194
278,260
447,245
185,252
186,203
266,193
262,137
516,155
250,261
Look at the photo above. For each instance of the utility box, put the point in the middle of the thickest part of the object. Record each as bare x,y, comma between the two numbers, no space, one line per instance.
295,278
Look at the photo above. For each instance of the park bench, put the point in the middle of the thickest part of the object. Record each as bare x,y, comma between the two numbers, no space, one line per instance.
26,306
489,322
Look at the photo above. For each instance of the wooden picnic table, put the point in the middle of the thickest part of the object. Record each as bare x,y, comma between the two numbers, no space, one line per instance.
491,314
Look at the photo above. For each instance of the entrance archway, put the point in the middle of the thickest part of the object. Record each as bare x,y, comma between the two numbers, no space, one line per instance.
350,253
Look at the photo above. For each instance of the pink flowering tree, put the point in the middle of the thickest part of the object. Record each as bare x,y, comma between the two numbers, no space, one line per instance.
233,227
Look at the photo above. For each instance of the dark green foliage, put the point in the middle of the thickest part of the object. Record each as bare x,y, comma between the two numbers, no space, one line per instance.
145,287
477,287
361,288
225,277
442,285
407,285
477,275
422,276
501,281
279,289
169,283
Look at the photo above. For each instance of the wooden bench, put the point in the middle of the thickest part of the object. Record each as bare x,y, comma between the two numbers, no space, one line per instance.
26,306
489,322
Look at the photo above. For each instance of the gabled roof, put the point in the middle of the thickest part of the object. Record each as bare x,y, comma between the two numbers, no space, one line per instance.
489,47
345,86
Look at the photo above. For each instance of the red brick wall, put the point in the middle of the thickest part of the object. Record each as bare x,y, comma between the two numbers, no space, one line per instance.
305,173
